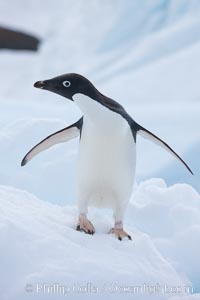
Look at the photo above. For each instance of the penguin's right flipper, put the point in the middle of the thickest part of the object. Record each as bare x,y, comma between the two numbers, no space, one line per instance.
60,136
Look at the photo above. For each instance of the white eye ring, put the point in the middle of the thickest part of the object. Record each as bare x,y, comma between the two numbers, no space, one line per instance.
66,83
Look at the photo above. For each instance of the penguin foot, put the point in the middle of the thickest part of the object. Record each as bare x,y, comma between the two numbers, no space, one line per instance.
85,225
120,233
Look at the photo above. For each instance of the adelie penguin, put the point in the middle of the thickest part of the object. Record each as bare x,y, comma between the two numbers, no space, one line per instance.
107,154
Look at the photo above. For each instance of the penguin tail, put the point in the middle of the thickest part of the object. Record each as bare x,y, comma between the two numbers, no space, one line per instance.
155,139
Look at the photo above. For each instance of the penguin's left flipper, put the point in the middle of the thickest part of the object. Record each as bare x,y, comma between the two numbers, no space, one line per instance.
60,136
149,135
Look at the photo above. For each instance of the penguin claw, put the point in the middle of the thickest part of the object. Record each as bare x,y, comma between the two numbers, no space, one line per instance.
120,233
84,225
78,228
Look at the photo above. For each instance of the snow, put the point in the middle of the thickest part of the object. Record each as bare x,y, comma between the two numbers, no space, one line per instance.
39,244
144,54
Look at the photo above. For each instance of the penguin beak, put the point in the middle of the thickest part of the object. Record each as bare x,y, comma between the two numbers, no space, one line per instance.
39,84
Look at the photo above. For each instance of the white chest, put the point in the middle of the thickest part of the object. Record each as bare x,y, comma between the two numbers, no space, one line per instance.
107,155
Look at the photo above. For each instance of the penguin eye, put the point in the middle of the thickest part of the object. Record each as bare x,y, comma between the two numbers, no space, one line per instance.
66,83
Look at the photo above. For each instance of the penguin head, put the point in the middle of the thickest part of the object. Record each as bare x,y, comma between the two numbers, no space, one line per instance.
68,85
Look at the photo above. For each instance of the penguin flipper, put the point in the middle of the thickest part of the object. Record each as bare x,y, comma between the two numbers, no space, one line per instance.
60,136
155,139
